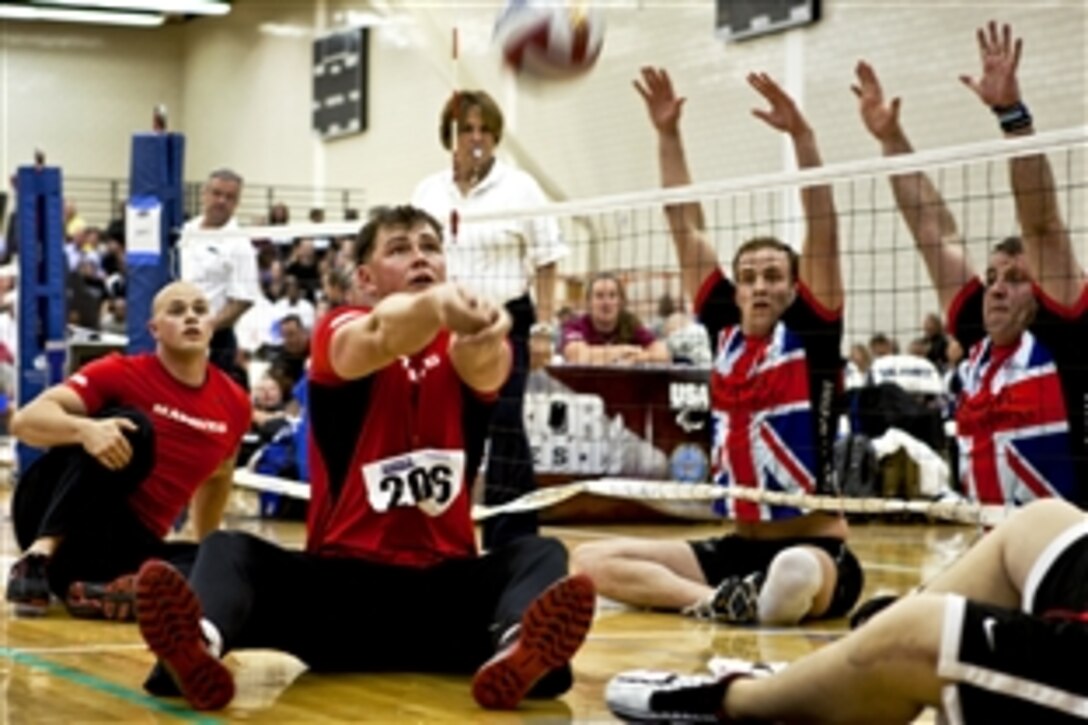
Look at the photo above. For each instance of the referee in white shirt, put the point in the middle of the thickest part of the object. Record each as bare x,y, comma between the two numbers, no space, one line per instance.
498,260
224,269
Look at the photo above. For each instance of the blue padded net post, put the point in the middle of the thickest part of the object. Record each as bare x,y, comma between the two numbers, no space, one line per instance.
154,181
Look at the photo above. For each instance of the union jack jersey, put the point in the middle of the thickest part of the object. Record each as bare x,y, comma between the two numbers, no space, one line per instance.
772,399
1021,416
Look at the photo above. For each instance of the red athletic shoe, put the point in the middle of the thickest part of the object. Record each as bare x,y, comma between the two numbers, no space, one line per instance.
115,600
169,616
552,629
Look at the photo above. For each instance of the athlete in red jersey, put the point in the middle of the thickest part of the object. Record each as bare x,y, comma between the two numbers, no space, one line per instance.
390,578
777,329
132,441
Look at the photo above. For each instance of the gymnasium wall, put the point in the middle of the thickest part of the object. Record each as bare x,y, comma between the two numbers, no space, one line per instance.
78,91
242,94
239,88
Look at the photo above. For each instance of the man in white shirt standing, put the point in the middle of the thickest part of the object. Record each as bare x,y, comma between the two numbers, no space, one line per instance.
498,260
224,269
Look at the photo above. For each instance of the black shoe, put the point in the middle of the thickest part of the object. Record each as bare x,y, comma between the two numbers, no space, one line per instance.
28,585
115,600
870,608
735,601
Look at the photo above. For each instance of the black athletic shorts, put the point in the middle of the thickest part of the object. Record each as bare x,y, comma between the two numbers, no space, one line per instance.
733,555
1027,665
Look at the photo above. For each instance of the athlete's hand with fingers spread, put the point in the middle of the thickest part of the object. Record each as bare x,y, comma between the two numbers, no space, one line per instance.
463,312
662,103
1000,55
880,118
783,114
105,441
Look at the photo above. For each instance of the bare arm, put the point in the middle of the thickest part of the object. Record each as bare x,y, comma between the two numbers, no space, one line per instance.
545,292
581,353
210,500
656,352
923,209
820,269
696,256
482,359
58,417
540,345
1046,238
402,324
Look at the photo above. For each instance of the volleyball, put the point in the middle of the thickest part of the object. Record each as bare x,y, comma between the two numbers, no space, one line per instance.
550,40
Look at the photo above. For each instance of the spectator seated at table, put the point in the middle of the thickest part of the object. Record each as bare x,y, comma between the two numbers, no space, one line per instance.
609,334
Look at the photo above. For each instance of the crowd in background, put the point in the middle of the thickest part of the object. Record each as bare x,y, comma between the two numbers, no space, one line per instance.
303,278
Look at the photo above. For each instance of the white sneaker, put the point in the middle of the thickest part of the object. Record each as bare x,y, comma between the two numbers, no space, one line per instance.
648,696
731,667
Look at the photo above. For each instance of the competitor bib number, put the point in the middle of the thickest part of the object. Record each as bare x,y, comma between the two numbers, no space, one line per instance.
429,479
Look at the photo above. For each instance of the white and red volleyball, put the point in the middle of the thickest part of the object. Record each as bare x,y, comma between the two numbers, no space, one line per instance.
549,39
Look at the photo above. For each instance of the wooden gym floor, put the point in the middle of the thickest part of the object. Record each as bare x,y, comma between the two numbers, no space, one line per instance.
59,669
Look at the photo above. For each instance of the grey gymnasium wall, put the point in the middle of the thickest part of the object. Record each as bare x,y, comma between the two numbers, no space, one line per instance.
239,88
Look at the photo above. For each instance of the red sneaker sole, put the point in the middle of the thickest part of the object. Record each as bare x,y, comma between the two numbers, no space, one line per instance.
552,629
169,617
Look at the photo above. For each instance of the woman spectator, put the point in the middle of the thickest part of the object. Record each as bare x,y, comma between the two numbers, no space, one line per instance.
609,334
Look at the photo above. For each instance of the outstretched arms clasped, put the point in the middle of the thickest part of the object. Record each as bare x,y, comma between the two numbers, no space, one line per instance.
404,323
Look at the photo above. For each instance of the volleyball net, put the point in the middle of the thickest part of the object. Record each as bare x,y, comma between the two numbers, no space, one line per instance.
641,432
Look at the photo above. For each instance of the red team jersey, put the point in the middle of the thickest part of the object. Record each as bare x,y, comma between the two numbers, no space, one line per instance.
195,428
392,455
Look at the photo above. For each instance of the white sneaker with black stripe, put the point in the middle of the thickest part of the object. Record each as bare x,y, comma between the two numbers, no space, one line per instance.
664,697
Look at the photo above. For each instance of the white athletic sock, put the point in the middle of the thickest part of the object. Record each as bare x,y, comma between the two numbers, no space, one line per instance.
212,637
793,581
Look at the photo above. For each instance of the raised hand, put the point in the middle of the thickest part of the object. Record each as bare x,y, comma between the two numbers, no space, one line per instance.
662,103
1000,54
105,441
880,118
783,114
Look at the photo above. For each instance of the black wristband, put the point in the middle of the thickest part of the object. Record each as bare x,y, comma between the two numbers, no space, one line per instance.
1013,118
